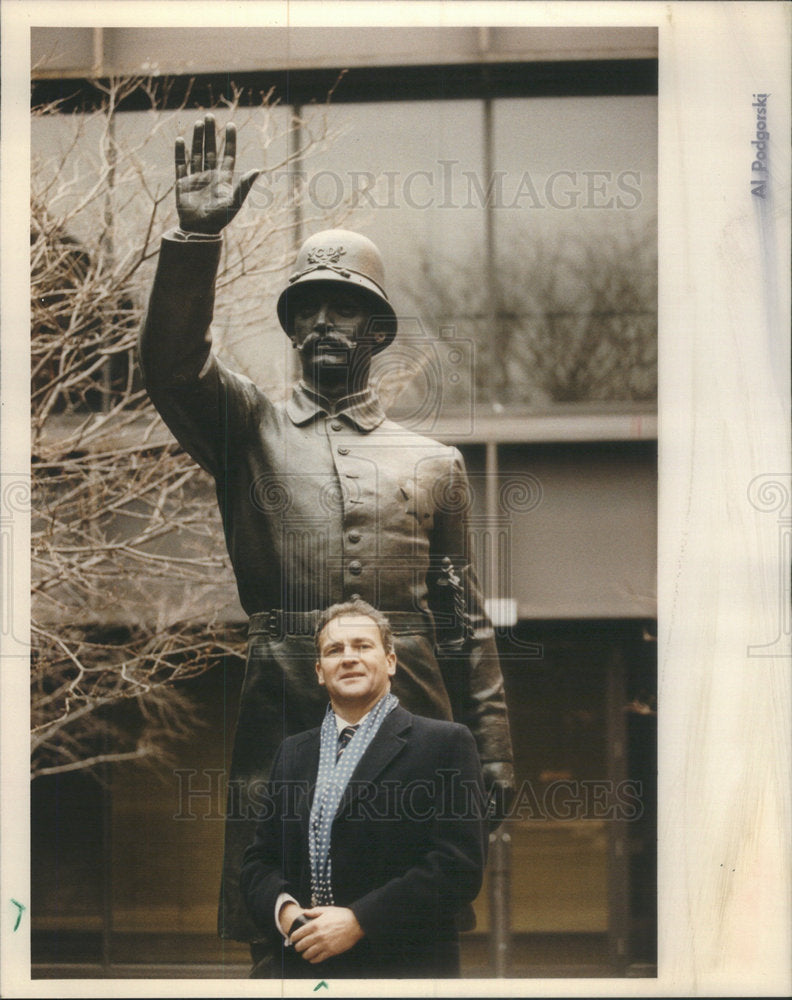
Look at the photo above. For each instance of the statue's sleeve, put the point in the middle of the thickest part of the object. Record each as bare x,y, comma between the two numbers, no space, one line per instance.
466,640
204,404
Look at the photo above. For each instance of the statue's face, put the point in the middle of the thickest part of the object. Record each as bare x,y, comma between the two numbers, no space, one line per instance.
330,327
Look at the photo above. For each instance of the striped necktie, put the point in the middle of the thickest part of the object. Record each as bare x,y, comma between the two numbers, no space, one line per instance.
344,737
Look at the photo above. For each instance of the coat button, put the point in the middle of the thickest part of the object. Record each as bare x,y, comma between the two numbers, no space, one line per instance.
335,425
354,536
355,567
343,451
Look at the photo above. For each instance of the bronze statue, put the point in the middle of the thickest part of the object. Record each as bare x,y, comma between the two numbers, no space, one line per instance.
322,498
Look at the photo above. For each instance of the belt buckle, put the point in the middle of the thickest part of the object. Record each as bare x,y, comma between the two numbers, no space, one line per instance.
273,623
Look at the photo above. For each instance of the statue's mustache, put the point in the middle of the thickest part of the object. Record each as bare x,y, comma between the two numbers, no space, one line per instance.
335,339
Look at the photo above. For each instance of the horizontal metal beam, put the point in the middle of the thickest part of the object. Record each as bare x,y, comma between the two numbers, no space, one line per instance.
457,81
549,427
623,423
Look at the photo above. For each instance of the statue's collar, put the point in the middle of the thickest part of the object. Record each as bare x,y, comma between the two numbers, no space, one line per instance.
363,409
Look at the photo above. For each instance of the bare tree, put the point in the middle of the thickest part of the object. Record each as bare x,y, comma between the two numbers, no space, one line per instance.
127,551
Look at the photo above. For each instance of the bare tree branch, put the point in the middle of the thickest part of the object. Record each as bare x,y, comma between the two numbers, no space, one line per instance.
127,549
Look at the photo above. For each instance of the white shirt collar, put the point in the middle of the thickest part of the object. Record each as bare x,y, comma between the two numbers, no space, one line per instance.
342,723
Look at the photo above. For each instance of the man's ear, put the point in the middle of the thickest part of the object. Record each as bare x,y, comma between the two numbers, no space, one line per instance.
319,674
391,658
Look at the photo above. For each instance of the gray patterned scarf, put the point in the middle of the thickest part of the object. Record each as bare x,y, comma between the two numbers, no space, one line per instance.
331,782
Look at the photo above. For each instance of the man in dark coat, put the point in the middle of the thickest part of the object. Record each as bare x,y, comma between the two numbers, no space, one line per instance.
322,498
373,831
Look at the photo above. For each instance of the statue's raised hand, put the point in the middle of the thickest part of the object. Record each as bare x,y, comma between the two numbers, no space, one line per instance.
206,197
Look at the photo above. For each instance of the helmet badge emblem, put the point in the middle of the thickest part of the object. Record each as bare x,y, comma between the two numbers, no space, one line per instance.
326,255
323,258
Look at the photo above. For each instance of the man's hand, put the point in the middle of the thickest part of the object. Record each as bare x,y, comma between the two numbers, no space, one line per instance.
206,198
333,930
287,915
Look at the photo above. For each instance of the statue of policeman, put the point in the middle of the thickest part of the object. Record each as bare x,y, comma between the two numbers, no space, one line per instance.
322,499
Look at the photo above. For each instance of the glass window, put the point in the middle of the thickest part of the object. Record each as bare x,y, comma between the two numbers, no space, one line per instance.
404,172
574,207
522,244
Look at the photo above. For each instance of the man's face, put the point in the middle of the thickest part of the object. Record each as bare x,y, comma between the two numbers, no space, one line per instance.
353,665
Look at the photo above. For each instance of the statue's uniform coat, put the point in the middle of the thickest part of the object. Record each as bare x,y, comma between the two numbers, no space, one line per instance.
318,507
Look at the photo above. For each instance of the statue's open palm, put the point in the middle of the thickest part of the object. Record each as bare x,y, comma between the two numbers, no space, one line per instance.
206,197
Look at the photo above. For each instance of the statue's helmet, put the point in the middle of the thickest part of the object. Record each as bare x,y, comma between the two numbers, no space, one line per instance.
339,256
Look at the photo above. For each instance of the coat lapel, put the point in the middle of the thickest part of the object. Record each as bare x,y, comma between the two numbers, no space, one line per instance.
305,766
389,741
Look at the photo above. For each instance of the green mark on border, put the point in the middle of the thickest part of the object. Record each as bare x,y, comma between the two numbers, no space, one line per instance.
318,985
19,915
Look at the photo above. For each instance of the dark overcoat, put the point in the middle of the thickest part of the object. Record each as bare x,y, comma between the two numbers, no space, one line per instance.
408,847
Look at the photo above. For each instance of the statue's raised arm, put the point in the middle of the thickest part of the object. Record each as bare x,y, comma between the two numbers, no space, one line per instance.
193,392
206,197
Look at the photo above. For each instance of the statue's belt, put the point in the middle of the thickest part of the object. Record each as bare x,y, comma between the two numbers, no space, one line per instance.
280,623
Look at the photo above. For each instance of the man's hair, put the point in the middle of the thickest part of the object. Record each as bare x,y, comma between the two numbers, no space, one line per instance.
356,607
